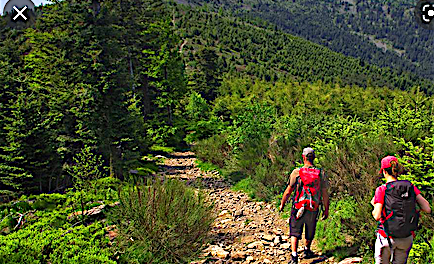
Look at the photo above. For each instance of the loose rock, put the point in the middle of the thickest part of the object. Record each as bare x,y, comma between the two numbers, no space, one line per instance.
239,255
257,245
219,252
351,261
285,246
277,240
268,237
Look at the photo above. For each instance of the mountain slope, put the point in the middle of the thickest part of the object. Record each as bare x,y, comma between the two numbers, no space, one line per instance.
383,32
271,54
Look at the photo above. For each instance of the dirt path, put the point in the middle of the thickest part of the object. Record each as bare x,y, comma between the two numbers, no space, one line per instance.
245,231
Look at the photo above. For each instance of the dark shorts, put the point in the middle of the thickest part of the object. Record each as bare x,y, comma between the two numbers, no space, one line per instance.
308,219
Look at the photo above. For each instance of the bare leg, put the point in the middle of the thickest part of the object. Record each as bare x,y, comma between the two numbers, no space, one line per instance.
294,243
308,243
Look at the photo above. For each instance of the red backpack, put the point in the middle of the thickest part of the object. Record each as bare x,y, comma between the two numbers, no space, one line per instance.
308,192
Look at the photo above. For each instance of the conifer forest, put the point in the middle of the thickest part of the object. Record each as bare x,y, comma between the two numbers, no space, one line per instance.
160,131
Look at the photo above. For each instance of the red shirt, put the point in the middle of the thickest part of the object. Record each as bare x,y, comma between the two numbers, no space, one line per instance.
379,198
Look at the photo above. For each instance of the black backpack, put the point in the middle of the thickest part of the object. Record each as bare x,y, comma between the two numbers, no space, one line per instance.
400,209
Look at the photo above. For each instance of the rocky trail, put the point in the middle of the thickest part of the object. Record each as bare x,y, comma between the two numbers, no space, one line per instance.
245,231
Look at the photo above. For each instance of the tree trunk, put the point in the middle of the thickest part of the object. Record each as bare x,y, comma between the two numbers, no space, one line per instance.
169,112
146,101
50,179
111,164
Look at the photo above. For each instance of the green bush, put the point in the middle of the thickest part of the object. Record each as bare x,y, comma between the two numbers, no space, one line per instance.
206,166
214,150
422,252
333,235
161,149
41,243
162,223
201,124
419,164
246,185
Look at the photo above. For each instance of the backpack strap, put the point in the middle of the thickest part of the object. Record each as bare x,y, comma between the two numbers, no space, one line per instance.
386,224
298,188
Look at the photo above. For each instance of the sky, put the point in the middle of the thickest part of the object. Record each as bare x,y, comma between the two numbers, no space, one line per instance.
36,2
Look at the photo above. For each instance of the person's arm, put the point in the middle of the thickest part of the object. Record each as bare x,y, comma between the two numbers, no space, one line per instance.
376,213
289,189
377,201
325,196
372,201
423,203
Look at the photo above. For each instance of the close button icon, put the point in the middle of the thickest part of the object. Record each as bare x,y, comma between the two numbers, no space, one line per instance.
20,13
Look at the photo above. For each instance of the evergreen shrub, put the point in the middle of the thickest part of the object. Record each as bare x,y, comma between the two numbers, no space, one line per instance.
161,222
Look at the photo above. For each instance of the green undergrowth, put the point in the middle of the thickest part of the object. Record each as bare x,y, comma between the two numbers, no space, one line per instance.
155,222
157,149
206,166
245,185
147,169
333,236
47,228
44,242
423,247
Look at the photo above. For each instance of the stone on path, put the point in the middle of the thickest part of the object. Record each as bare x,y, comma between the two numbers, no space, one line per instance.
268,237
276,240
249,259
257,245
239,213
219,252
238,255
351,261
225,214
285,246
247,239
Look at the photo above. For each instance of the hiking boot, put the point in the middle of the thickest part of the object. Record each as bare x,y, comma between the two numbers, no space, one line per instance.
307,254
294,260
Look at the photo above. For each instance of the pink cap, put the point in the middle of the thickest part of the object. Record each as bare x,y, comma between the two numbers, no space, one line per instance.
385,162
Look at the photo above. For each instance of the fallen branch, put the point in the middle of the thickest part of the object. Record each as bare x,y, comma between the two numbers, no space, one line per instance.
21,220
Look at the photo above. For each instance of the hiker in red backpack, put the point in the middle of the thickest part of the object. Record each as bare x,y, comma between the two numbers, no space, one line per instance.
310,184
395,209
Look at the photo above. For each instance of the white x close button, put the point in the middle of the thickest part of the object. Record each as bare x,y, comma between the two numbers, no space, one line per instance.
20,13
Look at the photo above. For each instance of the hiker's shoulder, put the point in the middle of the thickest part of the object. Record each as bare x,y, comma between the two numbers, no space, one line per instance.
381,188
296,171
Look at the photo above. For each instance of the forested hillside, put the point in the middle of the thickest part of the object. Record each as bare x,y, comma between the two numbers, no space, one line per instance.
92,80
87,94
383,32
244,46
96,97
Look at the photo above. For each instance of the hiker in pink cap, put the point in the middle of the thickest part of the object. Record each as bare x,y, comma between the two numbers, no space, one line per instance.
395,210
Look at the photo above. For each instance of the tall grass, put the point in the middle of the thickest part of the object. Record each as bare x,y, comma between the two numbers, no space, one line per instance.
162,222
